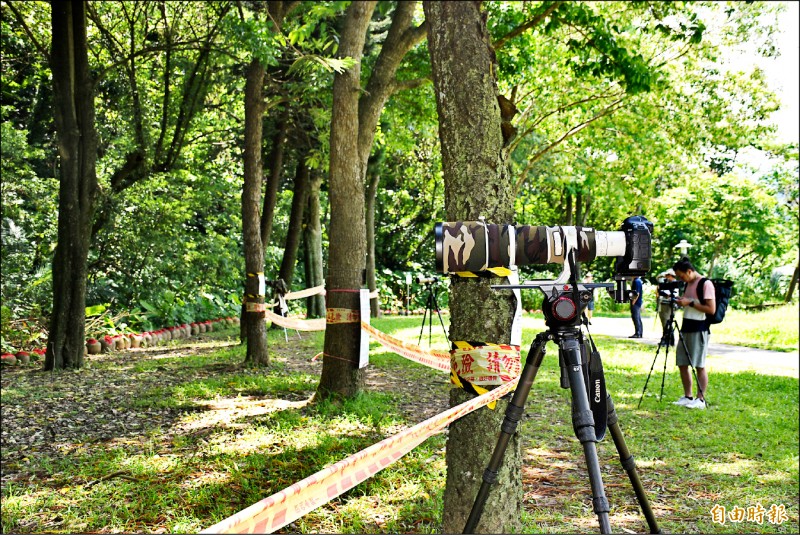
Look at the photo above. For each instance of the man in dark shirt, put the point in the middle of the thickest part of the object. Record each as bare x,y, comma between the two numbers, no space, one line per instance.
636,307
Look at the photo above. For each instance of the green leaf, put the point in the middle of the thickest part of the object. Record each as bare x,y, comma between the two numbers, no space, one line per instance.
95,310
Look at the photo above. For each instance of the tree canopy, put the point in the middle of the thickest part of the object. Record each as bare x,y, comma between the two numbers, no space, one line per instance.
609,109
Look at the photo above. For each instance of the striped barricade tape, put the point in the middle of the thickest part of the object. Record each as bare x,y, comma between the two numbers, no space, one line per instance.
291,503
439,360
296,323
308,292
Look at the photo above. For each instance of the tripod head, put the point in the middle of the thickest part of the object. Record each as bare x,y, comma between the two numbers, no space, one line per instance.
563,304
565,299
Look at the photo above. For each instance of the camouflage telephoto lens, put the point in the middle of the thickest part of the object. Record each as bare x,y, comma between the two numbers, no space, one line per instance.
475,246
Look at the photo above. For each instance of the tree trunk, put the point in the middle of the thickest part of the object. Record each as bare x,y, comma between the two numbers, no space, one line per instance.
256,328
584,207
73,108
295,230
401,37
568,210
792,284
312,248
477,183
372,190
273,183
341,375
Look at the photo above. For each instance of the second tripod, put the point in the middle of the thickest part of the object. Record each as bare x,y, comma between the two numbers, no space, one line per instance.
431,304
667,340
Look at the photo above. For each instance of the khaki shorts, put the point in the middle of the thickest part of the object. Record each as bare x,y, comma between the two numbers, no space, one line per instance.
697,345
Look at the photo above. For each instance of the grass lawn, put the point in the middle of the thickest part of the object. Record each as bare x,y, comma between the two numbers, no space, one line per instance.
776,328
176,439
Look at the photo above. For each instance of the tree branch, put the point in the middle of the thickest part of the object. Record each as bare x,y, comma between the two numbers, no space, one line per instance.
560,109
525,27
403,85
414,36
42,49
571,132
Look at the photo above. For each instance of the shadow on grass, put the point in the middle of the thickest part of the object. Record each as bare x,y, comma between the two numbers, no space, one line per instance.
231,436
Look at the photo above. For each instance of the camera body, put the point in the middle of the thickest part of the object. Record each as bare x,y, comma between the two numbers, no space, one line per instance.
279,285
638,246
670,290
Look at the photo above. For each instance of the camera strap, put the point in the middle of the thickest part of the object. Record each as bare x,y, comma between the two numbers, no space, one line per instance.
593,372
596,390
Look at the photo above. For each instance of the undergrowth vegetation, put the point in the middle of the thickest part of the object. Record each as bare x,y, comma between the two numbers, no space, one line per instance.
216,436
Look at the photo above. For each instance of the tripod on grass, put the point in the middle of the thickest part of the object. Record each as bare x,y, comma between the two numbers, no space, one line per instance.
431,304
668,339
592,407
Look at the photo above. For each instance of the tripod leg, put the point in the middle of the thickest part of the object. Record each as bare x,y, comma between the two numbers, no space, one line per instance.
669,336
422,329
514,411
430,320
629,465
583,424
648,377
439,313
664,372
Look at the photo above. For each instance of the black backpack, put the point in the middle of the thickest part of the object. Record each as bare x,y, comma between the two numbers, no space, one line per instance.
723,289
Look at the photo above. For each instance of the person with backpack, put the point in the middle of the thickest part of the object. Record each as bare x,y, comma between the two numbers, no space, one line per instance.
696,303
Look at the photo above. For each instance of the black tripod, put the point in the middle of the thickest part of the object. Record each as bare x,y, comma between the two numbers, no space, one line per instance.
667,339
592,408
430,305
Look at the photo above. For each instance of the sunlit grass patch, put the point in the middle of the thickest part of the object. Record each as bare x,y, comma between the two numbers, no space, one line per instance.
775,328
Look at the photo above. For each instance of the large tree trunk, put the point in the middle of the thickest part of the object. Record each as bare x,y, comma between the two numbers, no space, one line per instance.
295,230
73,108
372,190
254,324
341,375
312,248
476,184
353,124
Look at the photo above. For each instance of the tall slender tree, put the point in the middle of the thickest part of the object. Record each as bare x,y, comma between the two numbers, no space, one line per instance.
73,110
253,315
347,252
295,230
477,183
338,374
373,180
312,246
257,227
